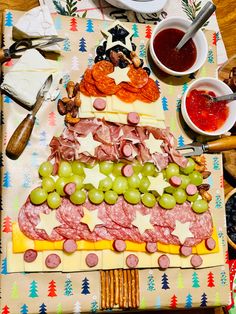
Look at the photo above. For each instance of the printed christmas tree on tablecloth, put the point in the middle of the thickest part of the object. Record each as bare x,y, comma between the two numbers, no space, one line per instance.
42,138
210,280
195,280
89,26
8,63
143,304
142,49
164,281
223,278
178,104
7,180
210,56
158,302
181,141
42,309
82,45
34,159
65,79
68,291
184,88
24,309
4,267
27,181
33,290
59,309
7,225
203,300
189,300
66,45
52,292
15,291
77,308
7,99
90,60
74,63
218,201
52,118
57,22
85,286
164,103
151,282
217,299
148,31
135,30
173,302
73,24
94,306
5,310
8,19
216,163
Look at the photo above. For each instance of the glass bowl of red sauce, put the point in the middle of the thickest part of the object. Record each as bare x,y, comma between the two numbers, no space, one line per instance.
204,116
165,37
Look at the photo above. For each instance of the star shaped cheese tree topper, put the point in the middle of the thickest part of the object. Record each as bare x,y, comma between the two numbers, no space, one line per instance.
88,144
120,75
158,183
182,231
142,222
93,176
91,219
153,144
48,222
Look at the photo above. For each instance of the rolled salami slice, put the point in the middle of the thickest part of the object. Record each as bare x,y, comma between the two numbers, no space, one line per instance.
127,171
175,181
69,246
210,244
151,247
91,260
70,188
196,260
191,189
119,245
163,261
126,150
30,255
186,250
132,261
99,104
52,261
133,118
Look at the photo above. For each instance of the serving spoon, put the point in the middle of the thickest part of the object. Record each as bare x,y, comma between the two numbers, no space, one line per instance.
228,97
197,23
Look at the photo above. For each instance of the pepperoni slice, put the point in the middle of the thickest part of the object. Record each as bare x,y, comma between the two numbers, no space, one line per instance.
138,77
92,89
83,89
102,68
142,98
126,96
88,76
150,90
107,85
130,88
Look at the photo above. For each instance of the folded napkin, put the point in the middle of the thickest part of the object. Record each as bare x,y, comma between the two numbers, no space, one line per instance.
27,76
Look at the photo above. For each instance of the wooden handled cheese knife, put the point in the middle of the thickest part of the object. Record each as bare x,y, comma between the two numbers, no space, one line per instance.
21,135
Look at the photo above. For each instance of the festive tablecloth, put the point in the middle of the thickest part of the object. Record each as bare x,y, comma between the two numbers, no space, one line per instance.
77,292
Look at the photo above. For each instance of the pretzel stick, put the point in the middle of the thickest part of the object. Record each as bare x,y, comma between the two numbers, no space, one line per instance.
137,288
103,292
129,288
107,289
121,288
133,289
111,289
116,273
125,297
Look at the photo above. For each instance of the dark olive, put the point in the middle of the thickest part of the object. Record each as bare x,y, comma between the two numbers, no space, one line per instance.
100,50
147,70
98,58
133,46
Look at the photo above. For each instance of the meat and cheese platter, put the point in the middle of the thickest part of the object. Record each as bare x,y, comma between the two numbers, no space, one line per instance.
101,187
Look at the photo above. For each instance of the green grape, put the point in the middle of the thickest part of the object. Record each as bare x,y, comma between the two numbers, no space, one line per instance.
78,197
60,183
134,181
196,178
170,189
77,168
167,201
200,206
38,196
148,169
172,170
65,169
105,184
132,196
144,184
189,168
117,169
48,184
54,200
192,198
180,196
78,180
106,167
45,169
95,196
110,197
185,181
148,199
137,167
120,185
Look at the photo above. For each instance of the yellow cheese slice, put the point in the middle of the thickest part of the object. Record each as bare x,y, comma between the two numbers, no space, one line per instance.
21,243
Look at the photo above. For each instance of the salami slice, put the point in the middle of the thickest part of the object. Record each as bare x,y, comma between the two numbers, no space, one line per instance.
92,89
138,77
143,98
129,87
88,77
83,89
126,95
91,260
132,260
150,90
30,255
107,85
52,261
102,68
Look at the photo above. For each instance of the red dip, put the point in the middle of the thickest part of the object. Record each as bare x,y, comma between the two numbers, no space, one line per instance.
205,114
164,45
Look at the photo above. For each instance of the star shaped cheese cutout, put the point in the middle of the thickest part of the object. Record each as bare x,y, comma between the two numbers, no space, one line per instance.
91,219
88,144
93,176
48,222
120,75
158,183
182,231
153,144
142,222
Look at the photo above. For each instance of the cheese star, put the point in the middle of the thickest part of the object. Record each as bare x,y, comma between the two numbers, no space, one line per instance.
158,183
91,219
93,176
88,144
182,231
142,222
48,222
120,75
153,144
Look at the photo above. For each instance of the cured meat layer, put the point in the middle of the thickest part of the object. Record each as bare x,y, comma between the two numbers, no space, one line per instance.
117,222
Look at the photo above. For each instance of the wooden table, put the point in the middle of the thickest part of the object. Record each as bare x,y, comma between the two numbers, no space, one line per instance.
226,15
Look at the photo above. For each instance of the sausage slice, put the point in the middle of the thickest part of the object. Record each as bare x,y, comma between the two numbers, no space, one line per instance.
52,261
69,246
163,261
132,260
30,255
91,260
119,245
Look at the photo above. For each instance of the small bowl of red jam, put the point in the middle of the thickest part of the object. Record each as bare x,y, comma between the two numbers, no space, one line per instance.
202,114
165,37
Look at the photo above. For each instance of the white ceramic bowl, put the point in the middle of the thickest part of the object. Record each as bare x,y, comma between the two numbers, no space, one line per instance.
199,39
220,89
152,6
